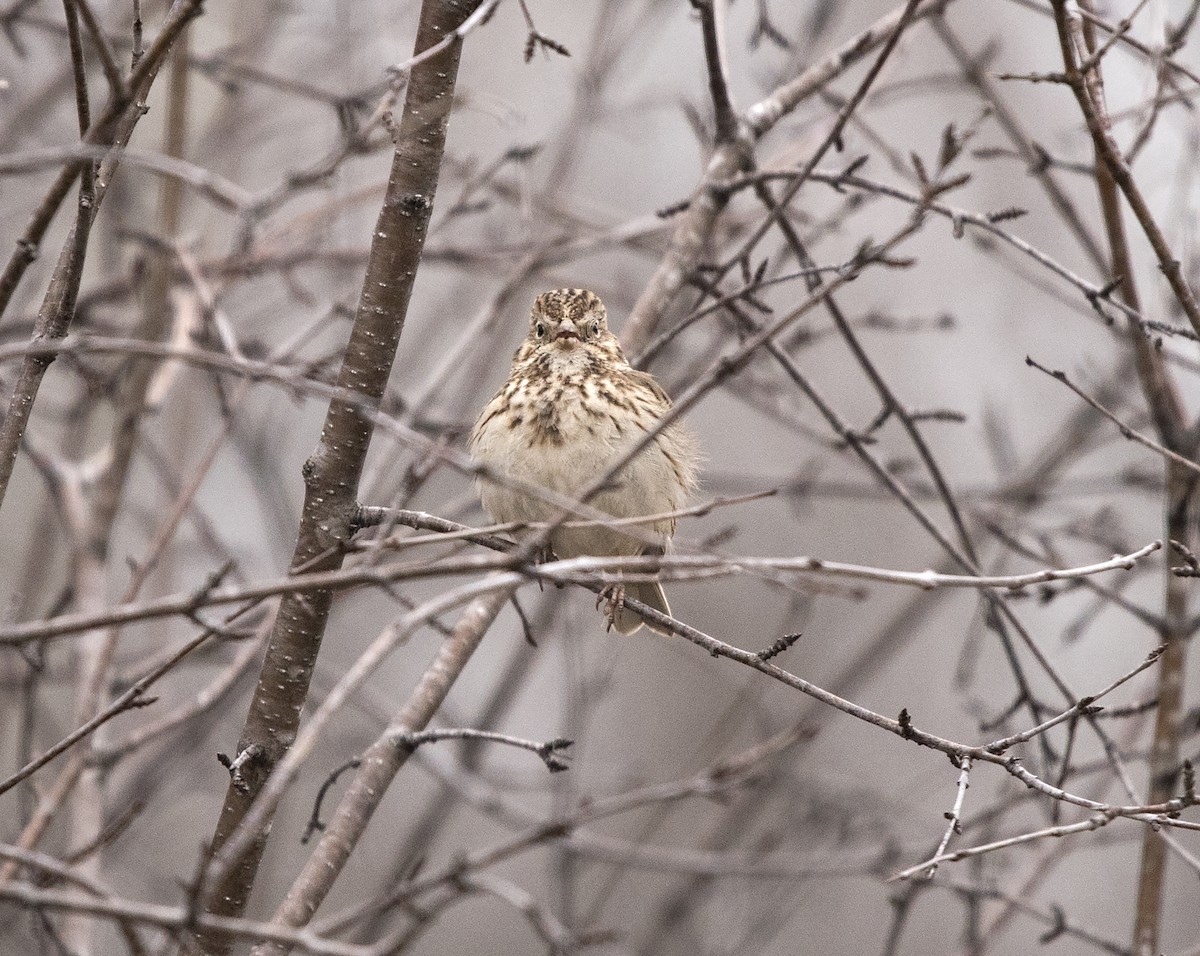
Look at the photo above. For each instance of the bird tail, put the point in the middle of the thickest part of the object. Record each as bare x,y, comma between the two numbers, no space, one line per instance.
648,592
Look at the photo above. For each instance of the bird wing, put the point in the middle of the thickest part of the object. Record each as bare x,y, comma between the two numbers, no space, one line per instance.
647,381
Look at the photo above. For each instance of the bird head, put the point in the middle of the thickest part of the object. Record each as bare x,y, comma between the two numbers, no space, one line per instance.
567,319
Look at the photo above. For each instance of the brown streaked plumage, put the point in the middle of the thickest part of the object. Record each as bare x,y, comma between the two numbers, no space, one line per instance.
571,407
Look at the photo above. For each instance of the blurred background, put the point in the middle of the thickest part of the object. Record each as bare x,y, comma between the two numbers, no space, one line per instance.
562,170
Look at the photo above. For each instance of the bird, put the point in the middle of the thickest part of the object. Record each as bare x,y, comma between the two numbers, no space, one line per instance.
571,408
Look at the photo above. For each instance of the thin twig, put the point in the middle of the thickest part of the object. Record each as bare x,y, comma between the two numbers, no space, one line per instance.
1126,431
954,815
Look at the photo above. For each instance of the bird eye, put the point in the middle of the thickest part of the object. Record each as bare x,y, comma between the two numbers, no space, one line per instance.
540,329
595,328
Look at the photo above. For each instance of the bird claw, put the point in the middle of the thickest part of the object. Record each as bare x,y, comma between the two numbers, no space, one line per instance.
614,594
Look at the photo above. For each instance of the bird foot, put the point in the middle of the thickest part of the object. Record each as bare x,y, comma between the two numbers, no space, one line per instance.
614,595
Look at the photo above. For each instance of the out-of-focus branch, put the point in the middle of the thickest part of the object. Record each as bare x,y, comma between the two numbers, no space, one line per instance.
1088,90
113,128
104,50
730,774
1082,73
103,496
50,867
1010,122
1131,434
696,223
116,113
179,920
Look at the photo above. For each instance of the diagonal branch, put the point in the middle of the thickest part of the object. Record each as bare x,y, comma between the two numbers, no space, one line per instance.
380,764
1127,432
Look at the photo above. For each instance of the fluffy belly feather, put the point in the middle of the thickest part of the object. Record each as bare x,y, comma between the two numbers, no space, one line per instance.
647,485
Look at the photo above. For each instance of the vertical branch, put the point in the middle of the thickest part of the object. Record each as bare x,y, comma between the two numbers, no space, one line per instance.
333,472
1089,91
1168,716
114,126
1078,47
94,652
156,316
104,50
77,931
712,24
79,69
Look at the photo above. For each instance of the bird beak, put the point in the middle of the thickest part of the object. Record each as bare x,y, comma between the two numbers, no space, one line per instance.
566,332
